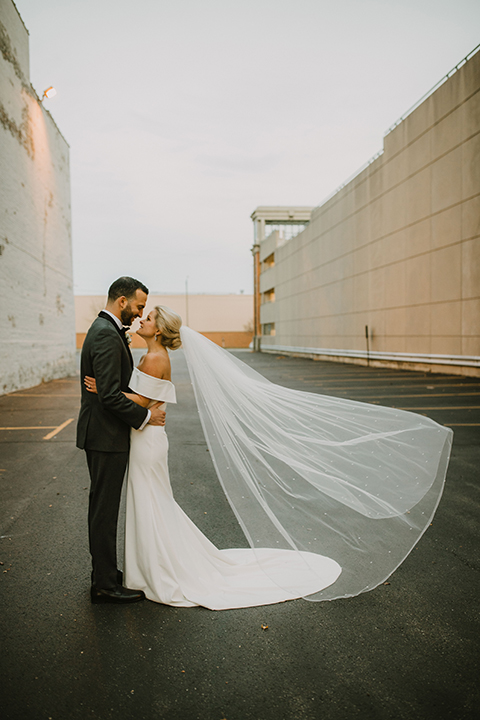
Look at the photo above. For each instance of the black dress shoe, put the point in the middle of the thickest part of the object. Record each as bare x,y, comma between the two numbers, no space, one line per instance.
119,596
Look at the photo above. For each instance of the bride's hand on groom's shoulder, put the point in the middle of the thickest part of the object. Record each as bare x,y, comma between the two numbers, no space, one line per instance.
157,415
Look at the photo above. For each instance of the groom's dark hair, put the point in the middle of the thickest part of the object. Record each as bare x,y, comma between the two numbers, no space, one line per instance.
126,287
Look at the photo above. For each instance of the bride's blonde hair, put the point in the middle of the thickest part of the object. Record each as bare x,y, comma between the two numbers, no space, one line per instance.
168,324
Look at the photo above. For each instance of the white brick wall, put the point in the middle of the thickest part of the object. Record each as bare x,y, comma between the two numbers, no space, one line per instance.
37,323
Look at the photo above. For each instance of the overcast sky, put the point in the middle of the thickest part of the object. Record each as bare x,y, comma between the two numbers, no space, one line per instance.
182,116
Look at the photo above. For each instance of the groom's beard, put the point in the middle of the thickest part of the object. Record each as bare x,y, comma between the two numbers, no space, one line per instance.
127,315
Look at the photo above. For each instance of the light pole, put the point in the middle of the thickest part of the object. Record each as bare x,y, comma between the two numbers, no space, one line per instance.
256,297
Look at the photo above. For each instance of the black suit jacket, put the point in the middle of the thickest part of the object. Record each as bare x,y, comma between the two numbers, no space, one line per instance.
105,419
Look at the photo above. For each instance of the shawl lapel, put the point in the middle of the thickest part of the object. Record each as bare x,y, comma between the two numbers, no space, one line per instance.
106,316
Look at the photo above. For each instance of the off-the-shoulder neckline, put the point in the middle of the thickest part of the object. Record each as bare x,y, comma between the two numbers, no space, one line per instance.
152,376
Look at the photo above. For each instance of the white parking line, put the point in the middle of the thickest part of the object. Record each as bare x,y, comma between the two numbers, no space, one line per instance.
58,429
55,429
29,427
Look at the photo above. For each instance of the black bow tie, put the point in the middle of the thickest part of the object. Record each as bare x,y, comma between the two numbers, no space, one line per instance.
123,330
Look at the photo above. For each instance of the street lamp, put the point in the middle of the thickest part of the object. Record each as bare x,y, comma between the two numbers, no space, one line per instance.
50,92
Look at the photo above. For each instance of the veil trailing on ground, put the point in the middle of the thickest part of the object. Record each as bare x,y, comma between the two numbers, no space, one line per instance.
352,481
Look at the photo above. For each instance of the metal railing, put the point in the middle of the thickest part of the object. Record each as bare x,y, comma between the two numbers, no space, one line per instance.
349,179
424,358
395,124
433,89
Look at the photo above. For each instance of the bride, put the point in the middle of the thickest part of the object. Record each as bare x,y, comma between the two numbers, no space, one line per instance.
331,494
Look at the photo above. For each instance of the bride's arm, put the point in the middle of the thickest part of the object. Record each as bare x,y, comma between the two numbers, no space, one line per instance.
91,385
139,399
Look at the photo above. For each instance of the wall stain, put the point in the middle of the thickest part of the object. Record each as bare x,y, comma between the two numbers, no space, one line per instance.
9,54
27,131
60,305
22,133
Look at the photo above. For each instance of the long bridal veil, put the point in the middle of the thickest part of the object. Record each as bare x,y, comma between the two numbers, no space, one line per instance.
352,481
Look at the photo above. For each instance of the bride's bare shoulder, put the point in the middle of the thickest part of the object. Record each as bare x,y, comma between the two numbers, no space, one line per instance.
155,364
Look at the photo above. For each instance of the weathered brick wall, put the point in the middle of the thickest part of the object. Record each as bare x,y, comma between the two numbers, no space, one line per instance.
36,288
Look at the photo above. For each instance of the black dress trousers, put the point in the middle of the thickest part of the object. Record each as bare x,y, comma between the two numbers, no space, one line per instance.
107,472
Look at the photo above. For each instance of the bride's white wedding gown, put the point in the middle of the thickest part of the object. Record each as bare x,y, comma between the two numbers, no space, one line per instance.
331,494
168,557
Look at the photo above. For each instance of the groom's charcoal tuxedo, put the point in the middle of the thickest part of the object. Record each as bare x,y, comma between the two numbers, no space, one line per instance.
105,419
103,431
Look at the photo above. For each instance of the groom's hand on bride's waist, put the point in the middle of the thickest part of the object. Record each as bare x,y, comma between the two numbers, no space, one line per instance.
157,416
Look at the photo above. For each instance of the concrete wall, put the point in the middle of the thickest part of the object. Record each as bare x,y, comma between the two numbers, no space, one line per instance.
36,288
225,319
397,249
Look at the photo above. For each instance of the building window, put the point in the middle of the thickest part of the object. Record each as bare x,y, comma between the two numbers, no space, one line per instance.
268,329
269,296
268,262
286,230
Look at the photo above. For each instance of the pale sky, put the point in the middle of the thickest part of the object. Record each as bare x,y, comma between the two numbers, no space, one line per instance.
183,116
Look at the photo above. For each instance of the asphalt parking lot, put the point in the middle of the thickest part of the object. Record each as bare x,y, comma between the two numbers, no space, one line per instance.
408,649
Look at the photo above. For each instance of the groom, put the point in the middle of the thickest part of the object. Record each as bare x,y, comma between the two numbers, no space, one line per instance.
103,431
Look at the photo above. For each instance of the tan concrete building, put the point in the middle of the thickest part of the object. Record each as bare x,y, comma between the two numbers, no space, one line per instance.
388,268
36,287
225,319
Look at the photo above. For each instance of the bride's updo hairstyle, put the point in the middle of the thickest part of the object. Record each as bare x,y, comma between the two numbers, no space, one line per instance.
168,324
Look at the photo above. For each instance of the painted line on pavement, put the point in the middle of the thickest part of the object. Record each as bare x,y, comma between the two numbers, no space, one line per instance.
58,429
30,427
429,395
462,424
47,395
448,407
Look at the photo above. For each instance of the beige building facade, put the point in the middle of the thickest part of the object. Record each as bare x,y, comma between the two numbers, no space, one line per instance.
387,270
36,286
225,319
279,224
